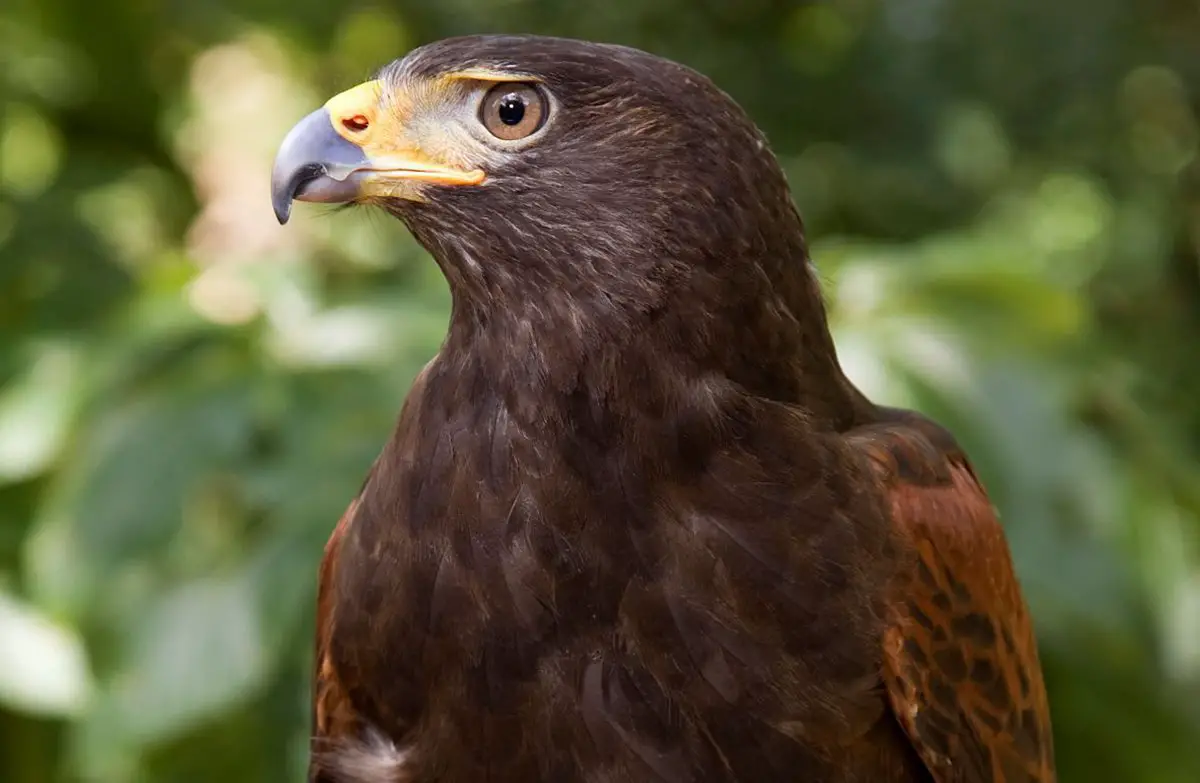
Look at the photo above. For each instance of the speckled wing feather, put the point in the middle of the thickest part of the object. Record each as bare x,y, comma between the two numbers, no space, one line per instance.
333,719
960,659
345,747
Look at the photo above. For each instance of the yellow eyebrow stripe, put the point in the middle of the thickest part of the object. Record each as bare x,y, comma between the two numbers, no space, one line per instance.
487,75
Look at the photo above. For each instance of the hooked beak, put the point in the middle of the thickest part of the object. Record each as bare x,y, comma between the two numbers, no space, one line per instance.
348,151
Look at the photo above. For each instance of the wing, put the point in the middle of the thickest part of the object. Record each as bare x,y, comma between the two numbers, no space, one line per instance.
960,659
333,719
345,747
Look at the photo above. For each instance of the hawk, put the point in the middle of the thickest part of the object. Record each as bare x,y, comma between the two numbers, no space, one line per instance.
634,522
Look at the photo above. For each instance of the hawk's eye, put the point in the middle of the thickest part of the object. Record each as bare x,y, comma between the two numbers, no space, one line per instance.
513,111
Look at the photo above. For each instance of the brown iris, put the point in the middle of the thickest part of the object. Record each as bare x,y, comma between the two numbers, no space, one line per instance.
513,111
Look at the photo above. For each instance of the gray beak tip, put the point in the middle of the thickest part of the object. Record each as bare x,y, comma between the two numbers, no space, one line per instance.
283,209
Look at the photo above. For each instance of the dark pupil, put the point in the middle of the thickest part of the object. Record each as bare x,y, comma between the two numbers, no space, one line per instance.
512,109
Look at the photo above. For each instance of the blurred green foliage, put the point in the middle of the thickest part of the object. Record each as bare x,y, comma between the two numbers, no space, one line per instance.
1004,199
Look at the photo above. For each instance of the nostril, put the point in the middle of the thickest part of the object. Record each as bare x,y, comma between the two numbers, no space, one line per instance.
356,124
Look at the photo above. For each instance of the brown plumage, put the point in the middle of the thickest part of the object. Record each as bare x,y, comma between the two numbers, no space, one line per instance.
634,524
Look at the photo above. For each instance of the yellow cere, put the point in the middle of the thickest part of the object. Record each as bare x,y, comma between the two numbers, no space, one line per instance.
362,100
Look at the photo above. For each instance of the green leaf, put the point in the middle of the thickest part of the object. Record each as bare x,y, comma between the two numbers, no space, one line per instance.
198,651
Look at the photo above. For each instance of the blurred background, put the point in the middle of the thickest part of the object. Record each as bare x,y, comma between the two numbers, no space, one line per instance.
1003,197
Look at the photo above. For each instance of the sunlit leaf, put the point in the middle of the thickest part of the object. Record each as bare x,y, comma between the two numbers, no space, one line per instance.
35,413
43,665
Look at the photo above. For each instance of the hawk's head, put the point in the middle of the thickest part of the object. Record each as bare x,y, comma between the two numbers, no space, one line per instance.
526,163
